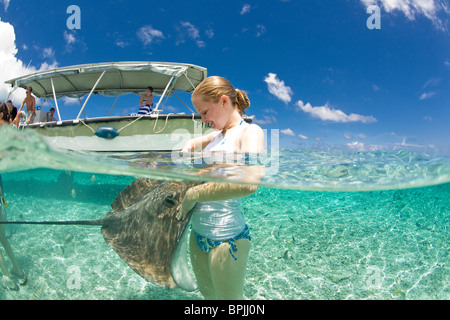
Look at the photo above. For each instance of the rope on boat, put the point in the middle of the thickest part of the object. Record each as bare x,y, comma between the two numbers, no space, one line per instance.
82,121
129,124
156,120
138,118
165,124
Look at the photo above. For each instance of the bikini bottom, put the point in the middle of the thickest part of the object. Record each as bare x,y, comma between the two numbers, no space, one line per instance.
206,244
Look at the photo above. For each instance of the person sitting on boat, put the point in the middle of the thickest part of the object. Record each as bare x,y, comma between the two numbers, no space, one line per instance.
28,115
12,111
4,114
146,102
50,115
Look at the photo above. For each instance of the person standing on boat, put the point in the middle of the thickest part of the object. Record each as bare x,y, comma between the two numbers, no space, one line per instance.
29,115
220,238
146,101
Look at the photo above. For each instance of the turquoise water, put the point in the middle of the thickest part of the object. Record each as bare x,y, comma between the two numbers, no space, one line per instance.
325,225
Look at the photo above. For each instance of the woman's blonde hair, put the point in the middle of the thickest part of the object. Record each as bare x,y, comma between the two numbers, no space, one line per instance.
212,88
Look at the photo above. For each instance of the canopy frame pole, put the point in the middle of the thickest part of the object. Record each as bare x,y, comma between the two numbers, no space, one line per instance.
164,93
90,93
54,97
113,106
189,80
14,88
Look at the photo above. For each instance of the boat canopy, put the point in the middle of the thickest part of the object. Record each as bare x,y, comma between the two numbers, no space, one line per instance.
112,79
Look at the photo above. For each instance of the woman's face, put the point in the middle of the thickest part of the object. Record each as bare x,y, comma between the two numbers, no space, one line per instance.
215,113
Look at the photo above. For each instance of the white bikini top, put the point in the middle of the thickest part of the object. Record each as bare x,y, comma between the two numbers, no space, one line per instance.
220,220
226,142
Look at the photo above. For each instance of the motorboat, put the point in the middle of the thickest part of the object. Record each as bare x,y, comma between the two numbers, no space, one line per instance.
155,131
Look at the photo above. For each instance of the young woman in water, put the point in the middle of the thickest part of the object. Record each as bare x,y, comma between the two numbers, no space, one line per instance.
220,238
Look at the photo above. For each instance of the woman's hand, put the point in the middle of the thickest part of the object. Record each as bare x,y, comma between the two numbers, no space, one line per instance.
186,206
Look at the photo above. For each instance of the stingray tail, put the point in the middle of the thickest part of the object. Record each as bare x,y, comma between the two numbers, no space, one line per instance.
99,222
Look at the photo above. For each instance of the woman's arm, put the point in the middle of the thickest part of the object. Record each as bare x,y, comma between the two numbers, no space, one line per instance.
198,144
252,142
213,191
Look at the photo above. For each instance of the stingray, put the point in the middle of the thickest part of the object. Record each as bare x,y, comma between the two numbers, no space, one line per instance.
143,230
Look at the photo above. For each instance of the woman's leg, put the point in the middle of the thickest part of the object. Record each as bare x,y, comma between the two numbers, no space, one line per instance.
226,273
200,264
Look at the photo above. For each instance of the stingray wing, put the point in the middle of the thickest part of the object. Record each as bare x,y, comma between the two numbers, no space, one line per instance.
134,192
144,231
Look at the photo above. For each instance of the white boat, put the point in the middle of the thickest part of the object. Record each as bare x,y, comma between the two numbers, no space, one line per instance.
132,133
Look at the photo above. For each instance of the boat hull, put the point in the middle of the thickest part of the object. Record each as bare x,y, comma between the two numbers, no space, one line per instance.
135,134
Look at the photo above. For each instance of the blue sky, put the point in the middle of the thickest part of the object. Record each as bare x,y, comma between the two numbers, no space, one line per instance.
313,69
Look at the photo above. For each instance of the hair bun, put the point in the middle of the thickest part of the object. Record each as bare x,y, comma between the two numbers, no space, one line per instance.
242,100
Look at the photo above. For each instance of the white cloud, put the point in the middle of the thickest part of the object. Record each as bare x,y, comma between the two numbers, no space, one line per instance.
266,120
170,109
269,110
301,136
70,101
191,32
11,67
48,53
260,30
44,53
69,37
278,88
362,147
209,33
121,43
147,34
327,114
412,8
362,136
433,82
5,3
349,136
246,8
71,40
288,132
356,145
427,95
